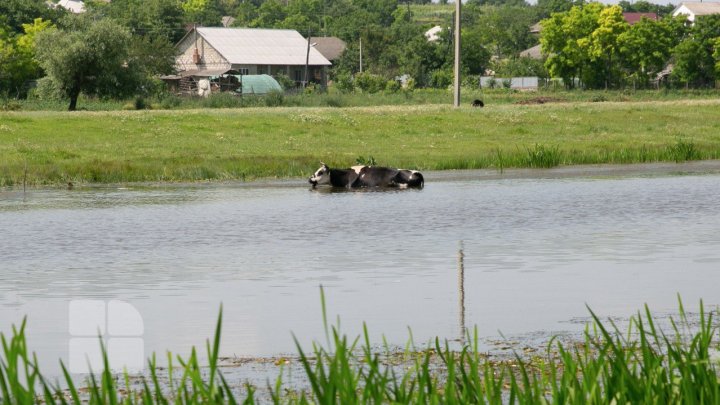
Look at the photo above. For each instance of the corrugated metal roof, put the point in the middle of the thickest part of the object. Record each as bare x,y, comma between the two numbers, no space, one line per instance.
253,46
700,8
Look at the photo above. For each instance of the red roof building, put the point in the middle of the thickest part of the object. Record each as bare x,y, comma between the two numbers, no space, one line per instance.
633,18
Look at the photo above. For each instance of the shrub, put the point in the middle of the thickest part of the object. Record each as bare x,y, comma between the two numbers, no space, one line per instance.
222,100
285,81
274,99
140,103
392,86
334,101
169,101
471,81
369,83
441,79
344,83
47,90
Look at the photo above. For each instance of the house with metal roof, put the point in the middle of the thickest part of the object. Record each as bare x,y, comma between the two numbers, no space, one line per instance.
330,47
207,52
693,9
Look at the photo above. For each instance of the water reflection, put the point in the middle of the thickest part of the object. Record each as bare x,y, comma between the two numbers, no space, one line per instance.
532,253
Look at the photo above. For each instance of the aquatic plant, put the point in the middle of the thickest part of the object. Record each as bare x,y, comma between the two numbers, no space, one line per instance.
542,156
643,364
683,150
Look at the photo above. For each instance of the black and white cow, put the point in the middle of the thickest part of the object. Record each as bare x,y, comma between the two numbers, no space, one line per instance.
367,176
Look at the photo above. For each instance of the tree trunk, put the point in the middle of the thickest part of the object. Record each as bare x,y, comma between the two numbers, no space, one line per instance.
74,94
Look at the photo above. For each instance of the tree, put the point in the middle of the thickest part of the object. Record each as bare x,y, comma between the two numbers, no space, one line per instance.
646,47
603,45
15,13
144,18
17,57
547,7
565,38
91,59
694,61
505,30
642,6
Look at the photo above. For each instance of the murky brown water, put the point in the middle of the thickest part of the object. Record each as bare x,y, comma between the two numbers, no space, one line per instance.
535,252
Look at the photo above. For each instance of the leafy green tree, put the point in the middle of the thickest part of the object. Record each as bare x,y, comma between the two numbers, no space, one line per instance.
270,14
245,13
513,67
565,38
474,57
547,7
92,58
505,30
203,12
716,56
17,57
15,13
694,61
646,47
603,42
144,18
642,6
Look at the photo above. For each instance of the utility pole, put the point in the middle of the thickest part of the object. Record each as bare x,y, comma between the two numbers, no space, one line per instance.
456,83
307,60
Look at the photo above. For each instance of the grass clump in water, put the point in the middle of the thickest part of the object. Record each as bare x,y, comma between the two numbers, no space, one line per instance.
542,156
640,365
683,151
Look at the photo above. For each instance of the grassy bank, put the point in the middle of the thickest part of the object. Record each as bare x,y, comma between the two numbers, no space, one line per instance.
128,146
641,365
335,98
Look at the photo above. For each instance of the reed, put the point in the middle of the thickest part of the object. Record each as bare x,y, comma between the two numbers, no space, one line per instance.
642,364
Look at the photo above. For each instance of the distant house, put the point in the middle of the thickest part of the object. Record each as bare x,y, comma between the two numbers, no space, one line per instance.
535,28
73,6
633,18
693,9
208,52
533,53
433,34
330,47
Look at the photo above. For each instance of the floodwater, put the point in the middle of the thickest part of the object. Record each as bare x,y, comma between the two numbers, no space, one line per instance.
534,252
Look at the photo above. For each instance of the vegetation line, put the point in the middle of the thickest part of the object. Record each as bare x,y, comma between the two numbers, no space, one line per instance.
171,146
643,364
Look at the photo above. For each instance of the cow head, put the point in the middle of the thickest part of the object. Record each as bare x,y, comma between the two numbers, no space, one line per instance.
321,176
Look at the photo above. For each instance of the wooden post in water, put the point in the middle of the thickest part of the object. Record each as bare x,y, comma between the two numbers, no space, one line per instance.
461,291
25,180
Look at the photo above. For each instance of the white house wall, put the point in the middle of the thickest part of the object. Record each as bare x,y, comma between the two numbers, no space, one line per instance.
209,57
686,11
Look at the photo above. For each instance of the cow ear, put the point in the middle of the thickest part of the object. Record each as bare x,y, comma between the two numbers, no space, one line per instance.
323,164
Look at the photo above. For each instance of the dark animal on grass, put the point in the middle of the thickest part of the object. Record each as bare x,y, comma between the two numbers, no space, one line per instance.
367,176
478,103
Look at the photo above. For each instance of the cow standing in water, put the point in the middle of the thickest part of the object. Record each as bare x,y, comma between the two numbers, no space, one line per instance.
367,176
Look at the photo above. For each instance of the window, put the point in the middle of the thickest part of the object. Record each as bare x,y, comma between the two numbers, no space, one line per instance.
244,71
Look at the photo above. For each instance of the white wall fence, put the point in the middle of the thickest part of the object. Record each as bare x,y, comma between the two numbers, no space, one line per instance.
528,82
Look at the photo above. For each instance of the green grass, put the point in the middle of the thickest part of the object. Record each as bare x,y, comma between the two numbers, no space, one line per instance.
643,364
288,142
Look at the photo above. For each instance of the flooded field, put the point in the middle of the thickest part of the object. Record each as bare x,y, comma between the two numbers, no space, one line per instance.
534,250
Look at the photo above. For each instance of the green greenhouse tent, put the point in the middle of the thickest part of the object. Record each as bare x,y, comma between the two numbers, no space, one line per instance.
257,84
